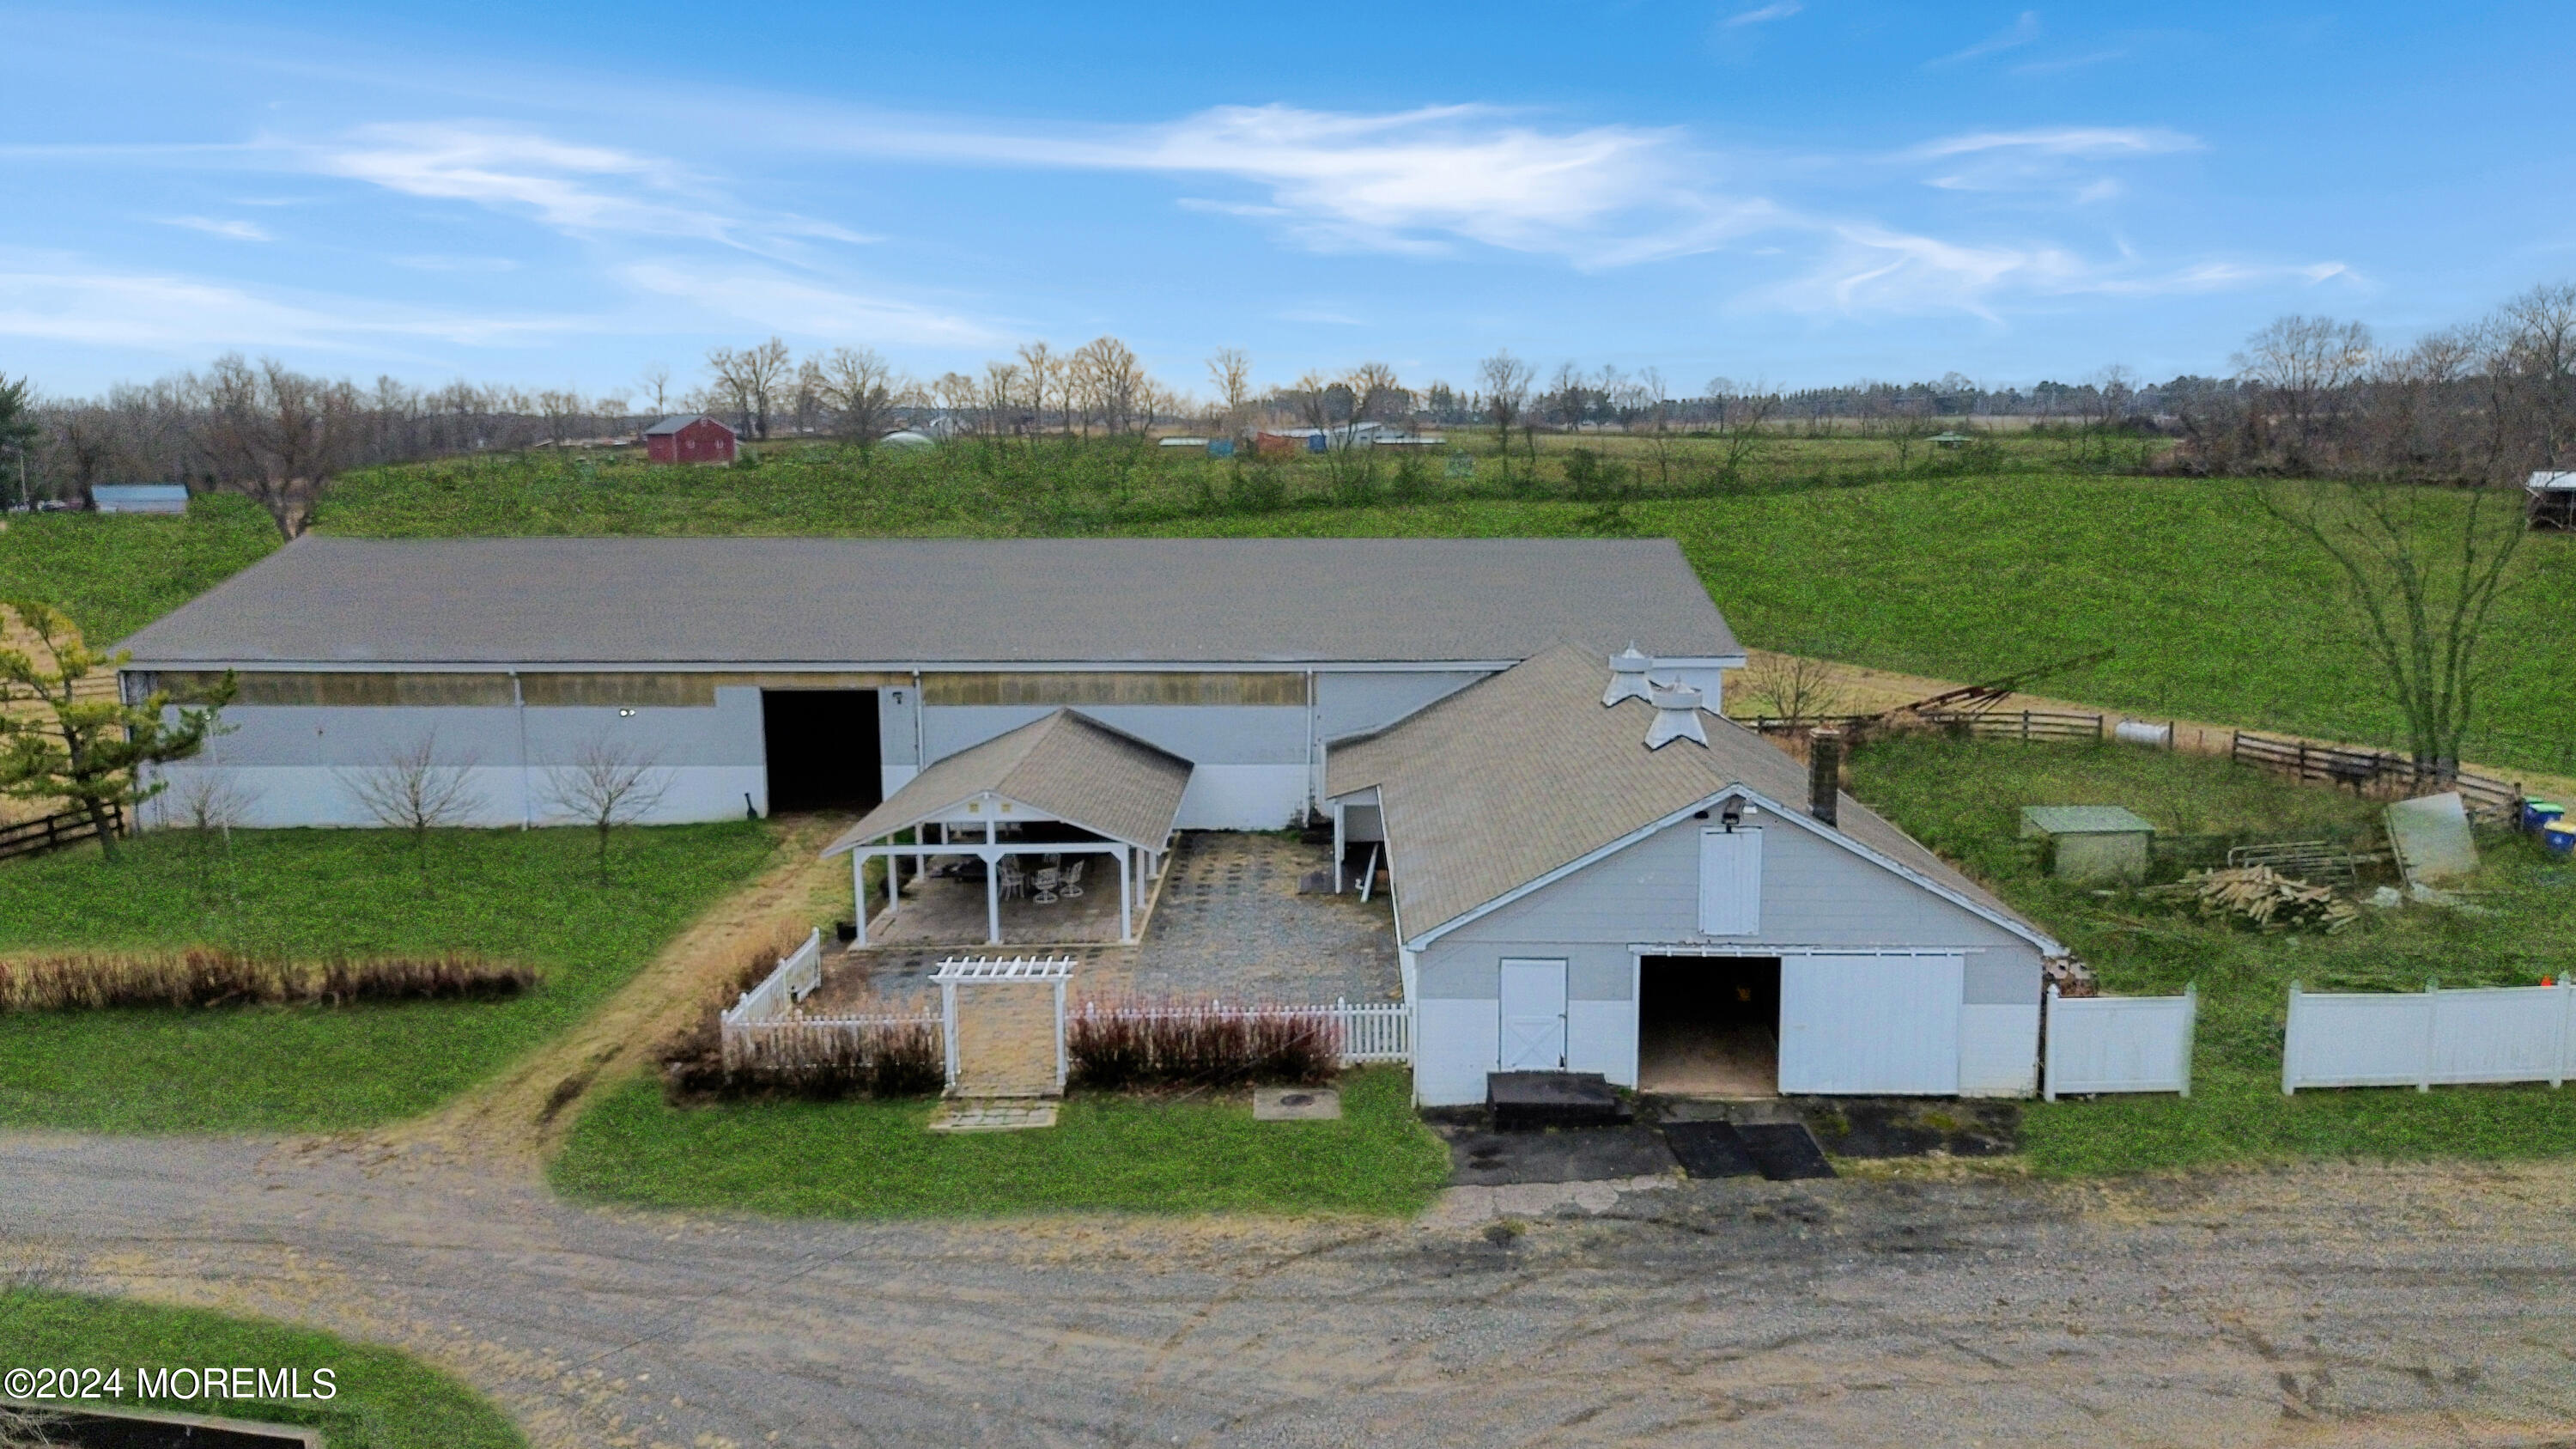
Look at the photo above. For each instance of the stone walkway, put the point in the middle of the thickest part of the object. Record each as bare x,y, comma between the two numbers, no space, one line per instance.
1232,926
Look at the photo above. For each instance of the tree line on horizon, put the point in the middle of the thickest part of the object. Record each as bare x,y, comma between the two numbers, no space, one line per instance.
2481,402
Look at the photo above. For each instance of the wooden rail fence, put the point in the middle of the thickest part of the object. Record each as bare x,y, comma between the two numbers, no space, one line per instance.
2363,770
53,832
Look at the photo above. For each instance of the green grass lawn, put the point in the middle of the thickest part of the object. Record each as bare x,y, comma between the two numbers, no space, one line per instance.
1964,799
383,1399
532,896
115,573
2217,612
1105,1154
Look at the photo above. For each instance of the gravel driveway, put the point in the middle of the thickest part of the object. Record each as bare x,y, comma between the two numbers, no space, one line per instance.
2321,1305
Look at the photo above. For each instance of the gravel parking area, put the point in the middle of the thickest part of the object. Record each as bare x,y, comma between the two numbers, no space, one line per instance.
2317,1305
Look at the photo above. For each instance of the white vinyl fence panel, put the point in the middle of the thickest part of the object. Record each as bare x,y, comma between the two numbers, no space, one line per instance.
779,991
2380,1039
2119,1043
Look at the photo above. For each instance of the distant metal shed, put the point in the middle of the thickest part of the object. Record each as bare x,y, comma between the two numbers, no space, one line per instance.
2090,842
139,497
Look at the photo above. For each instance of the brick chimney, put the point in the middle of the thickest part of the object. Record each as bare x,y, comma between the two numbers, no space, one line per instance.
1824,773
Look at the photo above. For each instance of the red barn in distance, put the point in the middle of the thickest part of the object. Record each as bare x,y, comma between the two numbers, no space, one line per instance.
695,438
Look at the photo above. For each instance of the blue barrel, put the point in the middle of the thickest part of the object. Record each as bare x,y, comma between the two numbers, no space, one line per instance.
1221,447
2537,814
2559,839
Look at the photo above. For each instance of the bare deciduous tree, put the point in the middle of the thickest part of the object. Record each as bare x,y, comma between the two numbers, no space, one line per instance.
752,379
278,435
409,788
861,391
1743,417
1045,376
1507,383
206,799
1230,368
1650,405
607,785
2304,367
1794,687
1110,383
655,380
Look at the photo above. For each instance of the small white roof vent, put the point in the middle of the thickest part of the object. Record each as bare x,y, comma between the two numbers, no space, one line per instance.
1628,676
1676,716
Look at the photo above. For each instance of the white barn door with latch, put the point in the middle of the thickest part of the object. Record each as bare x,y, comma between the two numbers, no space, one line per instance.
1870,1024
1533,1007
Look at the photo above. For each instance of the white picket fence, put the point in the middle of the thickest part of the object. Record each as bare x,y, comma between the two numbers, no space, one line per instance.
1368,1031
787,1043
779,991
2119,1043
2383,1039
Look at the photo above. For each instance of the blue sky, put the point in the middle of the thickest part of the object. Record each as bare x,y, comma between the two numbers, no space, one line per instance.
565,193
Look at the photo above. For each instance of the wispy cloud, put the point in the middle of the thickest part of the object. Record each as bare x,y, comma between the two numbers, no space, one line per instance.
2059,65
1781,10
1416,182
570,186
65,301
2063,141
212,226
805,306
2021,32
1874,270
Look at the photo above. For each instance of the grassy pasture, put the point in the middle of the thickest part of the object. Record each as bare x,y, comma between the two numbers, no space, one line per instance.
533,897
2217,612
1107,1153
1964,800
384,1399
114,573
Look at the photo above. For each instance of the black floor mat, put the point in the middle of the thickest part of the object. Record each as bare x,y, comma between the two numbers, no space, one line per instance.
1784,1151
1710,1149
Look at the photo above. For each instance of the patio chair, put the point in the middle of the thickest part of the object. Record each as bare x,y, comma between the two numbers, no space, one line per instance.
1044,885
1009,881
1070,883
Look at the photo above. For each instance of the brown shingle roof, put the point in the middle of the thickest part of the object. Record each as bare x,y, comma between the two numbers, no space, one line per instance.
1067,764
1526,772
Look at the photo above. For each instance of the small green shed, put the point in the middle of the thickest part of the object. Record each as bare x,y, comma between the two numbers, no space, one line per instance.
2090,842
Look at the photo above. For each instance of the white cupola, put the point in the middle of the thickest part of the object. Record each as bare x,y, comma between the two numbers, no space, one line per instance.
1676,716
1628,676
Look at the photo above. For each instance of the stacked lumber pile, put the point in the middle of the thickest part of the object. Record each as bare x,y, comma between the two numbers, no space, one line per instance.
2263,898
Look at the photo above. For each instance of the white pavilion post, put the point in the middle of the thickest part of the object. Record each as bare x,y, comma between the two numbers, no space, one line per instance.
894,887
992,893
1126,900
859,890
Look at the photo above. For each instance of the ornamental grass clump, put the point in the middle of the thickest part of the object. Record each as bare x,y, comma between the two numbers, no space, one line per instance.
209,976
1116,1048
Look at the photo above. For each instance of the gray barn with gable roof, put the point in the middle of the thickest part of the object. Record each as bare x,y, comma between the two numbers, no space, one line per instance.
766,674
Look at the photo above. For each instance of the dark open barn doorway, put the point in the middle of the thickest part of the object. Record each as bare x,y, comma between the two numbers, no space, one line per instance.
822,749
1709,1026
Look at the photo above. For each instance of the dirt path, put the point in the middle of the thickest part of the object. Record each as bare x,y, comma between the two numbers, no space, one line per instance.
2316,1305
1864,690
519,1118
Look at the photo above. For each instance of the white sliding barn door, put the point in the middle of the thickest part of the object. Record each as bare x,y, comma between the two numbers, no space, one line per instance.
1533,1010
1870,1024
